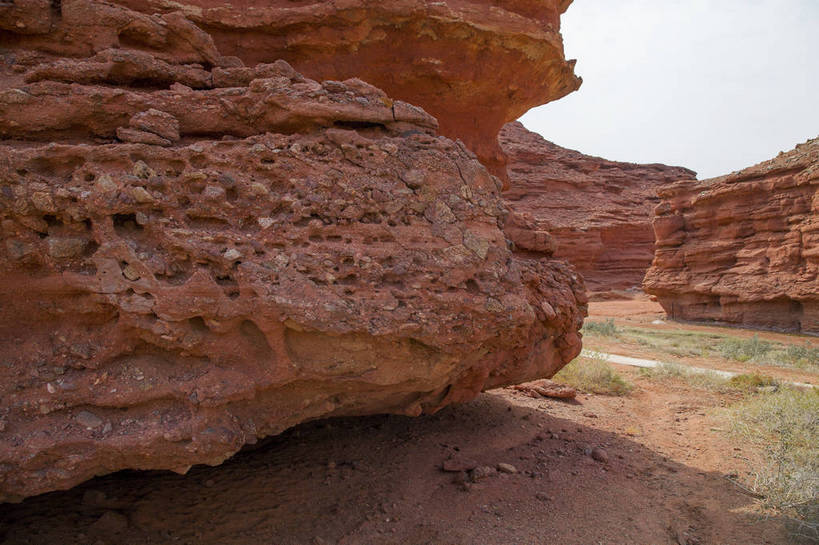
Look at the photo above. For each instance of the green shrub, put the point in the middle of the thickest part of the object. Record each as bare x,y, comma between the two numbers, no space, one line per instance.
803,356
605,329
745,349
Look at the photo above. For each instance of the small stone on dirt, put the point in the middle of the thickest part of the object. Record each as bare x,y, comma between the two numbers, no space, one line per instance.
110,522
600,455
542,496
454,465
507,468
481,472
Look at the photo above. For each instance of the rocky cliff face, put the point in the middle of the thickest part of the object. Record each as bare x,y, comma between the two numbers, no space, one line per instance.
473,64
743,248
592,212
196,252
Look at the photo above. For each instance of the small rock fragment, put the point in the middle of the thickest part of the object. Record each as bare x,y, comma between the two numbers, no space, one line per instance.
547,388
600,455
141,170
232,254
141,195
457,464
157,122
110,523
507,468
135,136
481,472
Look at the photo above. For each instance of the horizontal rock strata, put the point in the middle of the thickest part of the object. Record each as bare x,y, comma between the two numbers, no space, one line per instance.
472,64
195,253
743,248
592,212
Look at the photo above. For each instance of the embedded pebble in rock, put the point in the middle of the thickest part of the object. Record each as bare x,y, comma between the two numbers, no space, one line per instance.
334,255
89,420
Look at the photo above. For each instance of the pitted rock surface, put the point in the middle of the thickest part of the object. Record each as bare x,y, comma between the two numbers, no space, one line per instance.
194,256
743,248
590,211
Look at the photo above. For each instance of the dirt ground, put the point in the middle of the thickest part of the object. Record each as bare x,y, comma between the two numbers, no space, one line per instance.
659,476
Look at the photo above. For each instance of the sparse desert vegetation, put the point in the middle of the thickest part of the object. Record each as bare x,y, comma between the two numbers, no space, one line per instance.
776,426
593,375
799,354
709,379
785,426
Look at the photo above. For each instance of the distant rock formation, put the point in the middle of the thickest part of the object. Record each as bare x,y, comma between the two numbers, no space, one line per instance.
743,248
592,212
196,253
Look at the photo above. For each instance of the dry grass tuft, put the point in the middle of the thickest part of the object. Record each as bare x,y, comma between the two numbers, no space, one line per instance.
785,425
709,380
604,329
593,375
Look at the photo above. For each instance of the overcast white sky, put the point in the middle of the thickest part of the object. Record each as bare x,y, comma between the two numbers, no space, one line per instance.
712,85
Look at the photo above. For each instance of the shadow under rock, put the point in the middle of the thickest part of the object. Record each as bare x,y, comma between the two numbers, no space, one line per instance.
378,480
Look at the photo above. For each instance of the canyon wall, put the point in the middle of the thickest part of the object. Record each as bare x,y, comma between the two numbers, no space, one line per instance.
744,248
197,250
592,212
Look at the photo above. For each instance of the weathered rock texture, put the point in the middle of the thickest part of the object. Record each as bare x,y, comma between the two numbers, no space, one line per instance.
590,211
196,253
472,64
743,248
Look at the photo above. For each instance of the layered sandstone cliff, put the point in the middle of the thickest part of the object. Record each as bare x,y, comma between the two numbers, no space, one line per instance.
195,252
472,64
592,212
743,248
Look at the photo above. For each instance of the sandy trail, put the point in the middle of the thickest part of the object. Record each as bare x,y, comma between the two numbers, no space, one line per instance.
650,364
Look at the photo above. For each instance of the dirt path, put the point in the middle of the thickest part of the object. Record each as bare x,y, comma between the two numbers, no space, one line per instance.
650,364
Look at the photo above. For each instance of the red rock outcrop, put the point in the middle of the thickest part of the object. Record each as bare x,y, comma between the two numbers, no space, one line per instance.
592,212
743,248
195,253
472,64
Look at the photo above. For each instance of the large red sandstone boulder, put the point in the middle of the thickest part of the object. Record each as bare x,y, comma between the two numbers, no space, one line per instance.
472,64
743,248
592,212
195,254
